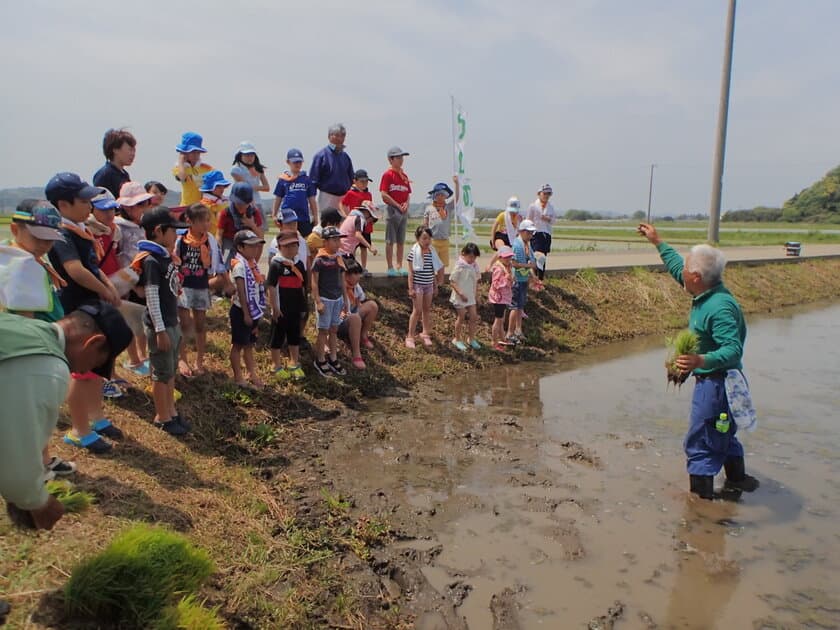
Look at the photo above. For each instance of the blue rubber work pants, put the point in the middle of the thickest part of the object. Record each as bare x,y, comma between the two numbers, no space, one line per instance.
706,448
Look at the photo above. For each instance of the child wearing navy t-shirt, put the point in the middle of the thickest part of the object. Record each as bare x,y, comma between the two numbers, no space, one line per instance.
296,191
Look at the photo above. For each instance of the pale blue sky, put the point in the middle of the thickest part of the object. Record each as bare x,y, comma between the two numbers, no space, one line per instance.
582,95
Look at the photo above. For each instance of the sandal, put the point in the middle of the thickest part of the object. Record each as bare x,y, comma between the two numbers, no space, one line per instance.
358,363
409,342
427,341
104,427
184,369
92,442
367,343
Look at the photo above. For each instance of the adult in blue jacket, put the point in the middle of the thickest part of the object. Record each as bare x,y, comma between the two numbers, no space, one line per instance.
332,169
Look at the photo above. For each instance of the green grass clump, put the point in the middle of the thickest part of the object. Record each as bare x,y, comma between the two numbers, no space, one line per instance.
72,500
190,614
685,342
130,583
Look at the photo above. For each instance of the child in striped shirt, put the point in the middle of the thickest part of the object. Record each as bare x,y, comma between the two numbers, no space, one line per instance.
425,277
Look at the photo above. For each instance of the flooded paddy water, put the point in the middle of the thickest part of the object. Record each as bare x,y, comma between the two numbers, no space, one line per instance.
554,495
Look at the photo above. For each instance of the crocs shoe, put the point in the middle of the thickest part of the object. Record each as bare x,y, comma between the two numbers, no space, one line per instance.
475,345
460,345
104,427
111,390
367,343
93,442
402,272
393,273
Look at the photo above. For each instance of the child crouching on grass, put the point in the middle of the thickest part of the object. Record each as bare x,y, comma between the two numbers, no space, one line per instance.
464,281
501,294
329,294
358,316
247,305
425,277
286,286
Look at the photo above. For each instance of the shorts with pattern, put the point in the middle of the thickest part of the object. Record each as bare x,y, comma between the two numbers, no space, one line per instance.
194,299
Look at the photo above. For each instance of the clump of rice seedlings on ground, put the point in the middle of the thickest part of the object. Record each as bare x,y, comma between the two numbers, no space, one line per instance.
686,342
131,583
72,500
190,614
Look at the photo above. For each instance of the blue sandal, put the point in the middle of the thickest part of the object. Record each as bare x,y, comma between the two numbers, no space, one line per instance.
92,442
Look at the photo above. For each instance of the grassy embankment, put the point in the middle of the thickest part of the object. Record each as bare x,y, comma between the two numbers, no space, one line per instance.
250,485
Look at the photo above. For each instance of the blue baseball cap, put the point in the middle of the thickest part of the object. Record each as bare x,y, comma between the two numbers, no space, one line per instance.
213,179
242,192
64,185
294,155
105,201
441,187
190,141
287,215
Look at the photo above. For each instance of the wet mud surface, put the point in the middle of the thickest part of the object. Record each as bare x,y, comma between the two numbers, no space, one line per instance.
553,495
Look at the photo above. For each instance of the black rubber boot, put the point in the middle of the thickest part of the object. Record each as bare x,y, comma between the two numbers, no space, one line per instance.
703,486
5,609
736,477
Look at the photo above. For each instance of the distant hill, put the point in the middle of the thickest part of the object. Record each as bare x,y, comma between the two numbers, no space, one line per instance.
818,203
11,197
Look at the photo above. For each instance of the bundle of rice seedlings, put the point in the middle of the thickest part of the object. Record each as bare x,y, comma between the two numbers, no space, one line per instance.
190,614
686,342
131,583
72,500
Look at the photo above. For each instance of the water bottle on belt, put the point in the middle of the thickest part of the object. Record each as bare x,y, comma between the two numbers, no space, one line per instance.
722,423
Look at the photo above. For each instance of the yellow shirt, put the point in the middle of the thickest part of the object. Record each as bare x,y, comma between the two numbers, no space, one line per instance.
189,187
215,205
499,225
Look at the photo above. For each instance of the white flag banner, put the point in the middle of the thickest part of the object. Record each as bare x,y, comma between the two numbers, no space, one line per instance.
465,208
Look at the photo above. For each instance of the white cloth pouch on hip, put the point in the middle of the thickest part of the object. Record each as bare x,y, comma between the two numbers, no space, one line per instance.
740,402
24,285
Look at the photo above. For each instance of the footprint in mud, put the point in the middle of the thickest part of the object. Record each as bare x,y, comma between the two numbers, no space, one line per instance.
458,591
607,622
578,453
505,609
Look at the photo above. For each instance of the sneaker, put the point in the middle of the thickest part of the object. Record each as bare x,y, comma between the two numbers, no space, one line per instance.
92,442
282,374
459,344
297,373
141,369
336,367
104,427
323,368
58,466
111,390
475,345
47,476
182,421
172,427
393,273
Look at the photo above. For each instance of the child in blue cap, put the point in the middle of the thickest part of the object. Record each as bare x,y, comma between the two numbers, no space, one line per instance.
189,169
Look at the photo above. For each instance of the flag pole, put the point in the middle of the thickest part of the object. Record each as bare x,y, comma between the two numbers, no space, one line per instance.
455,167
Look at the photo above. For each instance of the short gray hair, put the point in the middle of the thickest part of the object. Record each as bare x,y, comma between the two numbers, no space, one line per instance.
709,262
336,128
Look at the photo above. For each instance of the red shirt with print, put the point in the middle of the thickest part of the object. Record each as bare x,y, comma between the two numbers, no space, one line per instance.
397,185
353,198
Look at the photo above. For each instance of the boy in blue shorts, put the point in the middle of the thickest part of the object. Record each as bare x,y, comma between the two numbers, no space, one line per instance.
296,191
330,295
523,264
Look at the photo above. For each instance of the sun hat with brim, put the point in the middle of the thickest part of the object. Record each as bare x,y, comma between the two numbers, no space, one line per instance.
132,193
191,141
527,226
513,205
41,219
505,252
104,201
117,333
247,237
64,185
397,152
213,179
247,147
441,187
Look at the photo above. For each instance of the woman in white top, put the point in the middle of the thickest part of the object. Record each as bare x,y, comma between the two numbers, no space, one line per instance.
542,213
247,168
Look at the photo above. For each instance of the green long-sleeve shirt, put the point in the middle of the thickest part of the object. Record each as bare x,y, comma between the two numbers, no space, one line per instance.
715,318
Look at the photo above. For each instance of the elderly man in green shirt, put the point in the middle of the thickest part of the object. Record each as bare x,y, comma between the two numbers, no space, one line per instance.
718,322
36,358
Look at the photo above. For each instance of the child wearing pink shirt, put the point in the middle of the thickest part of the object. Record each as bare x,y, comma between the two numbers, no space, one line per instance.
501,294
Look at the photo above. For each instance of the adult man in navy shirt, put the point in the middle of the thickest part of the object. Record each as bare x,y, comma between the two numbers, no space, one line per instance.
332,169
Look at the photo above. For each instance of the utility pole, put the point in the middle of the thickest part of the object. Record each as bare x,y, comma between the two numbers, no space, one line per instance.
723,115
650,190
